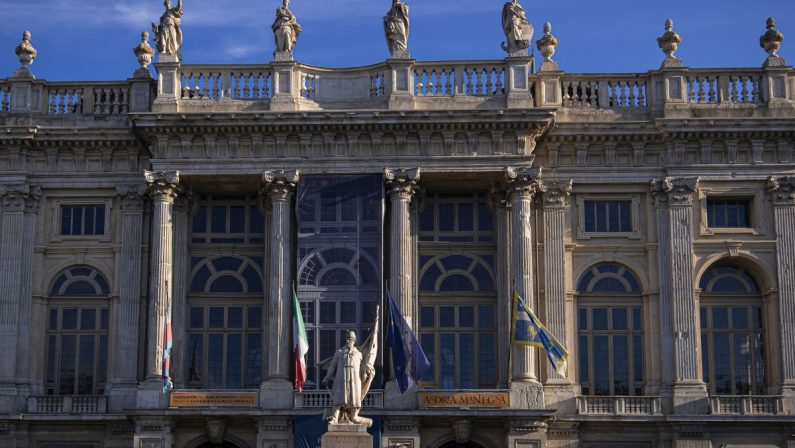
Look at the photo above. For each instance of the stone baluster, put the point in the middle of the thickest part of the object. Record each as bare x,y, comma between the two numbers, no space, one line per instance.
684,391
783,192
277,391
523,184
163,189
125,368
20,203
183,212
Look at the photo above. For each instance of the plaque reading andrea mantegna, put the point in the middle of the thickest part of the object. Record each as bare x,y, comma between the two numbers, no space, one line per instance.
496,399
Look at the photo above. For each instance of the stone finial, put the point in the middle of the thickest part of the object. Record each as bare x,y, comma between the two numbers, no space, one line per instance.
144,52
669,41
547,45
771,42
26,54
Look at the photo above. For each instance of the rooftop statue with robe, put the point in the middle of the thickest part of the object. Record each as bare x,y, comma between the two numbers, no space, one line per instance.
168,35
285,32
396,29
518,31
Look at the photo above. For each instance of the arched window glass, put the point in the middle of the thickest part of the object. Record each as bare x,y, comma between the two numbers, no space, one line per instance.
732,331
610,331
77,333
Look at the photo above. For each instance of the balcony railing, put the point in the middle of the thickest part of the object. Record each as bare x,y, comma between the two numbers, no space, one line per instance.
618,405
68,404
322,399
746,405
619,92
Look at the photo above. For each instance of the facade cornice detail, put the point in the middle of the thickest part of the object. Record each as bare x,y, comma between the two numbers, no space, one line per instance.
523,181
402,181
163,185
280,185
556,193
782,189
131,196
675,190
20,197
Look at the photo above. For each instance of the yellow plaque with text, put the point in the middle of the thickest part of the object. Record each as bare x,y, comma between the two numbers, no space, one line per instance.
495,400
190,399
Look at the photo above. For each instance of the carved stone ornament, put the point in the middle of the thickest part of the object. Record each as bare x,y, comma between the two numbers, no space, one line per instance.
26,54
402,180
396,30
163,186
782,189
216,427
144,52
548,43
670,40
131,196
771,40
675,190
523,181
556,193
518,31
168,35
462,431
285,32
526,426
280,184
20,197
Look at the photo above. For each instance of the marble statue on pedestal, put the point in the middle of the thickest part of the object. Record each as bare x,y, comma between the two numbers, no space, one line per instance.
518,31
350,374
168,35
285,32
396,29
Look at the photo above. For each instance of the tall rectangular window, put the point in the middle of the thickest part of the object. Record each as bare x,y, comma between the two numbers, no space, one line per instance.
728,213
77,350
227,220
88,219
607,216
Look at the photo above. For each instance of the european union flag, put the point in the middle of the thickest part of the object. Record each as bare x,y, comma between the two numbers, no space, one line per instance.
408,358
528,330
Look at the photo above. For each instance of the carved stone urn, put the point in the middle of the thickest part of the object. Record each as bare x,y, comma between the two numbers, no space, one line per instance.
548,43
144,52
25,51
771,40
670,40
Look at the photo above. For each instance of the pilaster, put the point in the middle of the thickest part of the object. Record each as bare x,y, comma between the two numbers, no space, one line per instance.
782,190
502,205
684,391
25,381
183,213
163,190
276,390
153,432
526,433
274,432
401,431
559,391
125,381
523,183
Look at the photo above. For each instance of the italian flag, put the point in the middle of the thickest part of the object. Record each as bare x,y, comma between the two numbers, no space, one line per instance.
300,345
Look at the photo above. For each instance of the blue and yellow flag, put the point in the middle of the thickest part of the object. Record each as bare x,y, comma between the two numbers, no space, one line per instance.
527,330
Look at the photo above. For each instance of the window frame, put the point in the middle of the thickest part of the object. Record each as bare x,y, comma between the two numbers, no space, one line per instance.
634,219
755,200
57,213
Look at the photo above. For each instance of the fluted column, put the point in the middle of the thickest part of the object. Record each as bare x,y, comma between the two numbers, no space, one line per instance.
183,212
125,368
783,192
163,189
280,188
523,184
25,336
683,388
401,185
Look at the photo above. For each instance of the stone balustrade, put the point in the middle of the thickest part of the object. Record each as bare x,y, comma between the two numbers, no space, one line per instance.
618,92
736,86
319,399
68,404
216,82
618,405
746,405
468,78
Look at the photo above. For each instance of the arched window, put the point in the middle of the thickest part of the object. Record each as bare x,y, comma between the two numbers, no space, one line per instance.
610,331
458,310
225,323
77,333
732,331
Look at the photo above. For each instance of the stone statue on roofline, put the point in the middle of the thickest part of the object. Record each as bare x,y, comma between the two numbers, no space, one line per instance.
168,35
350,373
285,31
518,31
396,30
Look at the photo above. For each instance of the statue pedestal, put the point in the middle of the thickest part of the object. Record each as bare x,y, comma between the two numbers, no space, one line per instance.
346,436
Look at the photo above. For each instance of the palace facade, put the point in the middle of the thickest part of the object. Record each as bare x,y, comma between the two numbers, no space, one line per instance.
647,218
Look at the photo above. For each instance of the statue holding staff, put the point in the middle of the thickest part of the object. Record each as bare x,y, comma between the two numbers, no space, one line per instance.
168,35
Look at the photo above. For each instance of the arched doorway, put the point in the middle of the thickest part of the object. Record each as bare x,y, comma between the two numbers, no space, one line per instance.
453,444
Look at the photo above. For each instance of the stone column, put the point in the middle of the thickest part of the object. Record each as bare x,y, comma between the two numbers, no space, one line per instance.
502,206
125,368
783,192
523,184
558,389
684,391
16,254
25,379
183,212
277,390
163,189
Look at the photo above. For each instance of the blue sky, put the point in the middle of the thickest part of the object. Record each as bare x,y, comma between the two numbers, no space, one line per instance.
93,39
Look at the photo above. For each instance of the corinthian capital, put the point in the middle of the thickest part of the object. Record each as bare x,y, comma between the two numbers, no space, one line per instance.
402,181
131,196
163,185
523,181
782,189
556,193
20,197
280,184
675,190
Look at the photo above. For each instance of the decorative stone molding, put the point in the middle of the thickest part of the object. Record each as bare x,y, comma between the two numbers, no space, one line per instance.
402,424
525,426
280,184
675,190
163,186
462,430
401,180
523,181
782,189
216,428
556,194
275,424
20,197
131,196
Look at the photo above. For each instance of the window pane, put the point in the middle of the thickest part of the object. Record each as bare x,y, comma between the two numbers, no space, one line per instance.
88,319
196,317
348,313
467,360
739,317
485,220
637,358
637,320
720,318
601,367
466,317
103,319
613,217
582,319
705,348
234,360
216,317
446,217
52,361
195,366
428,342
427,317
601,216
486,316
590,216
256,220
583,350
466,218
620,365
448,360
254,315
100,220
620,319
69,319
487,363
235,317
742,364
53,320
253,360
102,360
66,220
426,219
218,219
215,361
759,364
237,219
200,220
720,349
85,379
67,365
447,316
626,221
328,312
599,319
